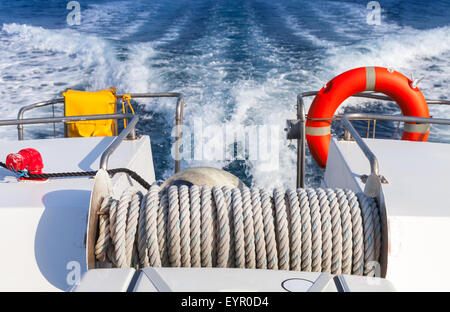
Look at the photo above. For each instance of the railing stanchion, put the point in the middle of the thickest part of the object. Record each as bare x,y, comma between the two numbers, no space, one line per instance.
301,146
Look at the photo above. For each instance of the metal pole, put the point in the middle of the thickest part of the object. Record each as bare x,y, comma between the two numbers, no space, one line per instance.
178,118
179,132
366,150
375,96
23,109
301,148
421,120
31,121
115,144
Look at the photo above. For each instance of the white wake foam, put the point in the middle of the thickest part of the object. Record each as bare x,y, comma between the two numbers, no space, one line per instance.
39,63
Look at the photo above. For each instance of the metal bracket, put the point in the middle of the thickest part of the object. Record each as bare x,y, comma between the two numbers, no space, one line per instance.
364,178
293,129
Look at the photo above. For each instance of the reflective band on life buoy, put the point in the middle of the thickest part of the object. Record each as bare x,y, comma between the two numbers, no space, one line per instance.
379,79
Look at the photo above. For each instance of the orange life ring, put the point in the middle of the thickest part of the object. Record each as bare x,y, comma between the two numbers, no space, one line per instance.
379,79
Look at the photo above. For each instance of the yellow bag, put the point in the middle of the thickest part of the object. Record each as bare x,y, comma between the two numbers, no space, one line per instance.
79,103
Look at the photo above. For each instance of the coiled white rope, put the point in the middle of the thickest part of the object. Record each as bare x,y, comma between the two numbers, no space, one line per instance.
319,230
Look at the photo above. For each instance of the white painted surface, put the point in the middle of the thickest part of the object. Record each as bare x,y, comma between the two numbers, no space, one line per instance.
224,279
220,279
417,205
338,173
43,224
355,283
106,280
143,284
297,285
417,173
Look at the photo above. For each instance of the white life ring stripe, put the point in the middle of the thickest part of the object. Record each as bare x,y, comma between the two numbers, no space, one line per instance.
318,131
417,128
370,78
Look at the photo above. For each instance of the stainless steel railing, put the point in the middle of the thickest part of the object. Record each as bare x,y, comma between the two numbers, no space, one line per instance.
23,109
119,139
44,120
374,168
296,128
178,119
129,131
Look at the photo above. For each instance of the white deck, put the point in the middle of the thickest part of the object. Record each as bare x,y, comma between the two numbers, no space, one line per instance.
417,205
43,224
152,279
417,173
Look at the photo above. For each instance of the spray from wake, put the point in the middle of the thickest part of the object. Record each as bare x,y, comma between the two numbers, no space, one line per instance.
240,65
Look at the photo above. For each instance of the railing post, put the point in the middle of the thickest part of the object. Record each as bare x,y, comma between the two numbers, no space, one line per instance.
20,126
20,132
301,147
114,144
374,168
23,109
179,131
347,135
178,120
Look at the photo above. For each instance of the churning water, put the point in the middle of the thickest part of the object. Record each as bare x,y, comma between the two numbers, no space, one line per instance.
238,62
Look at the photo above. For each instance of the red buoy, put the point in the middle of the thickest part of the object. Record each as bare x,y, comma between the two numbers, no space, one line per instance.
389,82
27,160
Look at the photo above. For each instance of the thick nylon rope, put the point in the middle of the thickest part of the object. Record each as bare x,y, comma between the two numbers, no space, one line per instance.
194,193
206,227
112,172
223,234
306,244
318,230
